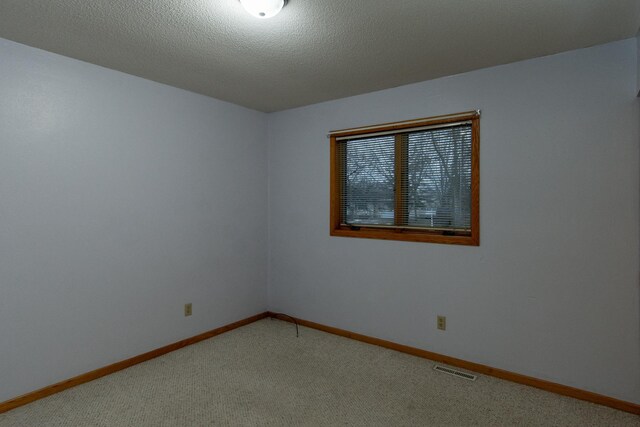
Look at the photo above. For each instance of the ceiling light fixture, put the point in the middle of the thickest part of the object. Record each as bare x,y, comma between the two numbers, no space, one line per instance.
263,8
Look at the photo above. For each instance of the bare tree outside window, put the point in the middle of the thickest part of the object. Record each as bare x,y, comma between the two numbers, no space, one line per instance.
439,178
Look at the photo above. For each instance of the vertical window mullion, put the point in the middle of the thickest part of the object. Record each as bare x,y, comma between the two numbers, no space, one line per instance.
400,211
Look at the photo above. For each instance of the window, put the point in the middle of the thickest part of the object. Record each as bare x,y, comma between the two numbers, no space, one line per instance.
416,180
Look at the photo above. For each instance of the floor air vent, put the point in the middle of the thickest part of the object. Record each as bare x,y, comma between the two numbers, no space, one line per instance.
455,373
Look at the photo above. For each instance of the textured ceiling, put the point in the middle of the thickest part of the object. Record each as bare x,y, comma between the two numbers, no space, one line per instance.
313,50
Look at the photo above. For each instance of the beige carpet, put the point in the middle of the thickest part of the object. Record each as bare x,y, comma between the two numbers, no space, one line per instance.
262,374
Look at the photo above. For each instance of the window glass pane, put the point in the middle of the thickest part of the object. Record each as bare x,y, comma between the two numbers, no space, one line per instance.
439,178
368,180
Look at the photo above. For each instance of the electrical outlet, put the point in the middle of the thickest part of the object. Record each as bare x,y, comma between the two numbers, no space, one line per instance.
188,309
442,322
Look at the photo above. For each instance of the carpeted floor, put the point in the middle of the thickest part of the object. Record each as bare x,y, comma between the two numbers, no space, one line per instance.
262,374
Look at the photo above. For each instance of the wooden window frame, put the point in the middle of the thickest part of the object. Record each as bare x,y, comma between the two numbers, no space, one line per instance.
407,234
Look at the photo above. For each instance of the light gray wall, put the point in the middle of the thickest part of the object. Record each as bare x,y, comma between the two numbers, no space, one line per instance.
117,206
120,200
552,290
638,61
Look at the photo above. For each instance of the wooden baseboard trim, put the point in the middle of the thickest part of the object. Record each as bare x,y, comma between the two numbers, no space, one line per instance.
118,366
475,367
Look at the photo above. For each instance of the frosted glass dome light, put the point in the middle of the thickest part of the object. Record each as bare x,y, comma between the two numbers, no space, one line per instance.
263,8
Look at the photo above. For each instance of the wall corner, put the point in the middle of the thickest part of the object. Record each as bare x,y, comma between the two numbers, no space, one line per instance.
638,63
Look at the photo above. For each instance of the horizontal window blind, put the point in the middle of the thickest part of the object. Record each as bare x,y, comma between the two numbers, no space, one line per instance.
438,176
367,180
413,179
